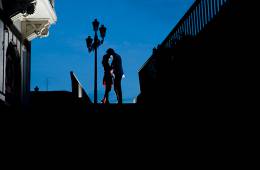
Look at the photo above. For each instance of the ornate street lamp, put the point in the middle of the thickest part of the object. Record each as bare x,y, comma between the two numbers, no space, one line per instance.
93,46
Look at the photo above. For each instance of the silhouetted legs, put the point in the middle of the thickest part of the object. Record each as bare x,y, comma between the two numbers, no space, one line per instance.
106,96
118,89
107,82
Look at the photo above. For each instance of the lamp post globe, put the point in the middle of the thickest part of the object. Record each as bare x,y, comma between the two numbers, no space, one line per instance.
89,41
102,31
95,24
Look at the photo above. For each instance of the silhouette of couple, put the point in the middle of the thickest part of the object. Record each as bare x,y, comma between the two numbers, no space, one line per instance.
113,74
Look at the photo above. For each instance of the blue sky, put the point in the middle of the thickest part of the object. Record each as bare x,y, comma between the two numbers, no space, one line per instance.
134,28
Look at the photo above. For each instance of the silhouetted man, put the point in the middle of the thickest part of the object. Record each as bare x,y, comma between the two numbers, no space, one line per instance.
117,71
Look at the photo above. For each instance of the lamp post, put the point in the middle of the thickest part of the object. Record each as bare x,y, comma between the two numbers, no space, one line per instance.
93,46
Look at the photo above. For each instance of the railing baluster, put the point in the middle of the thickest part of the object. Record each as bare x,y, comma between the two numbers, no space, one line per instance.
194,22
182,29
197,19
191,26
206,11
213,8
178,33
188,25
172,41
218,4
185,27
191,29
202,14
208,7
174,38
221,3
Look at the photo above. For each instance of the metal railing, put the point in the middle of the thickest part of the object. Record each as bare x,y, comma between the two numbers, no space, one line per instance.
195,20
200,14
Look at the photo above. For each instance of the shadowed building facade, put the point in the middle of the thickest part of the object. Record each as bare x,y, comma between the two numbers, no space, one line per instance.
21,21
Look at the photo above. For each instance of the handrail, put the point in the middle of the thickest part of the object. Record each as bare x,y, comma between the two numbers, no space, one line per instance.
77,89
194,21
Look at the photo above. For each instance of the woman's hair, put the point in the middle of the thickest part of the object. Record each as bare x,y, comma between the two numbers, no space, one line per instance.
110,51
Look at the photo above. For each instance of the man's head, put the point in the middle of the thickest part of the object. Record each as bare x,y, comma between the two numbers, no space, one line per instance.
110,51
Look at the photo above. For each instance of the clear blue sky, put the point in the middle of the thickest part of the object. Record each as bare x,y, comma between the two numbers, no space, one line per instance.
134,27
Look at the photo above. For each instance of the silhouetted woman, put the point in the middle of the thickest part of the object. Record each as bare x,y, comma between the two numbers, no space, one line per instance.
107,79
